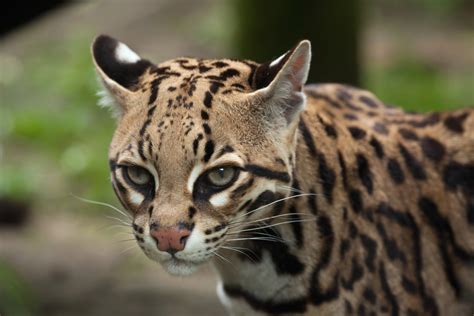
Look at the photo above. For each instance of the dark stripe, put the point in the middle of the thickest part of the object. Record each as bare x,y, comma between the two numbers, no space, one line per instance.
297,305
317,295
243,187
387,291
208,99
307,138
296,226
140,150
365,175
378,148
445,235
413,164
395,171
144,127
328,177
370,247
208,150
267,173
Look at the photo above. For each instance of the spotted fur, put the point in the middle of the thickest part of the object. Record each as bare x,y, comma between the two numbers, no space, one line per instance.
343,205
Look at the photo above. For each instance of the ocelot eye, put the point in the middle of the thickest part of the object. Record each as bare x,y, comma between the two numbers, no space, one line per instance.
139,176
222,176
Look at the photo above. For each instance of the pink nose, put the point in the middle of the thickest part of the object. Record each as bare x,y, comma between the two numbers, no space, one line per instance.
170,239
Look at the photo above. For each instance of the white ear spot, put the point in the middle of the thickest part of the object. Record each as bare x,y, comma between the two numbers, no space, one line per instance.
220,199
135,198
277,61
125,55
193,176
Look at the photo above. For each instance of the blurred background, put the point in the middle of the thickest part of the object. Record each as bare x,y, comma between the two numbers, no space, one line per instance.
62,256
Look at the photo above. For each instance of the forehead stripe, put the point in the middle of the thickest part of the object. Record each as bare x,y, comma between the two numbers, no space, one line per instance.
268,173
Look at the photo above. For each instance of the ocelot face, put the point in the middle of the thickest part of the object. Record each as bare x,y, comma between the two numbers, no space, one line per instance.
201,146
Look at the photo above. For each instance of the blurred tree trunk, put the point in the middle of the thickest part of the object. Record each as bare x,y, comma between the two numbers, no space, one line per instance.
267,29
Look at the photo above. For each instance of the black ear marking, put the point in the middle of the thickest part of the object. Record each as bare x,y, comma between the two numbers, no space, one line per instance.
118,62
266,72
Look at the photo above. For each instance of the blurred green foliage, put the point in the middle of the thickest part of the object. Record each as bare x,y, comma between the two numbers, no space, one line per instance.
417,86
54,134
16,298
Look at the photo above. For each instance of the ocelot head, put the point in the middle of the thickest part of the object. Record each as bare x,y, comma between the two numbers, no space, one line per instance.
201,145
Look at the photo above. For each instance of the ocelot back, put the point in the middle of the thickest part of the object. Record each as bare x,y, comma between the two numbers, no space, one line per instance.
317,200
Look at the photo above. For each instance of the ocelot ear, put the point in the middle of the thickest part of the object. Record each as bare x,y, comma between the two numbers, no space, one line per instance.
279,84
119,69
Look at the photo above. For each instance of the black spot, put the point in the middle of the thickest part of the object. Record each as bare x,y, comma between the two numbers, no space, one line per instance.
220,64
328,177
204,115
361,310
380,128
413,164
229,73
365,175
370,102
408,134
370,247
395,171
356,132
215,85
323,97
369,295
391,247
224,150
191,212
409,285
350,117
328,128
459,176
208,99
378,148
203,69
206,128
355,199
432,148
208,150
357,272
196,143
455,123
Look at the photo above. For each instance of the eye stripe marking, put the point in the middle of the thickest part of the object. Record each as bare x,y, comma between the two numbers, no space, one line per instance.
268,173
193,176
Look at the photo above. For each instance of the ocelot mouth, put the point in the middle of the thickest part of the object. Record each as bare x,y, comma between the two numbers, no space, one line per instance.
180,267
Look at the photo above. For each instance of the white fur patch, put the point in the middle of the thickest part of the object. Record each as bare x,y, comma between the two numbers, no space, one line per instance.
220,199
195,173
277,61
125,55
135,198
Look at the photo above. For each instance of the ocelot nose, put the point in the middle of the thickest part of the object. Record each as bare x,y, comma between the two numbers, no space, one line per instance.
170,239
